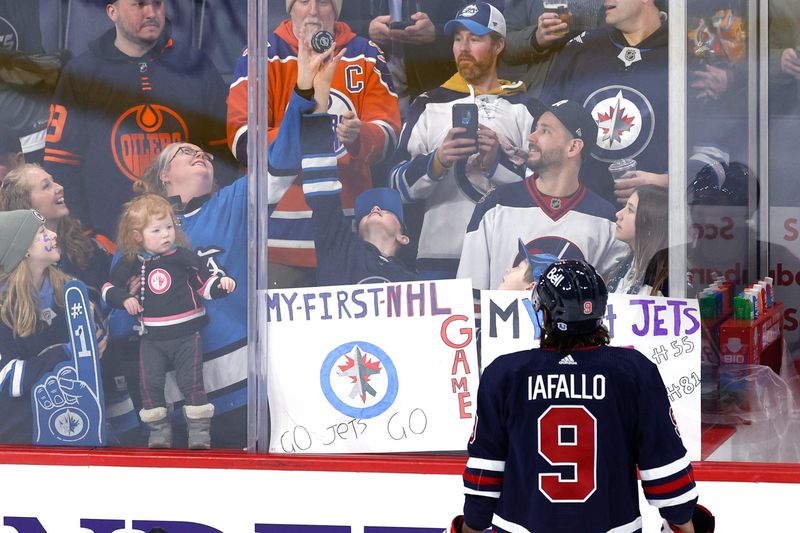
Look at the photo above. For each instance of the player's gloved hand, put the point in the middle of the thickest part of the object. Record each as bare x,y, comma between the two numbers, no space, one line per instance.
702,521
455,525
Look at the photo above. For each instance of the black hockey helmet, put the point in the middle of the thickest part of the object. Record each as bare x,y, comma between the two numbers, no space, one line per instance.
574,295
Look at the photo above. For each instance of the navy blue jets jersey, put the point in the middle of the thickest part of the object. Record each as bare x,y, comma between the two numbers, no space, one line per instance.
558,438
625,90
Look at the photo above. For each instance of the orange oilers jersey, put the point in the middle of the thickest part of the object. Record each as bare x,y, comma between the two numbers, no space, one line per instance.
361,84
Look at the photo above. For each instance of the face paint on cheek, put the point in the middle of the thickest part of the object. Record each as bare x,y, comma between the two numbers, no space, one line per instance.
47,246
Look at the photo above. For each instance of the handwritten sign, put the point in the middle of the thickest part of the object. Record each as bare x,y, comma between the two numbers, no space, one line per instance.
371,368
666,330
68,402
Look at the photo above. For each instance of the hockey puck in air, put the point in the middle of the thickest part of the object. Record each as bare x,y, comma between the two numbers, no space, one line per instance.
321,41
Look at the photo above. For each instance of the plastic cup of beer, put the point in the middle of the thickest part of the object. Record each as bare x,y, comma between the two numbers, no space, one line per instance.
620,167
560,8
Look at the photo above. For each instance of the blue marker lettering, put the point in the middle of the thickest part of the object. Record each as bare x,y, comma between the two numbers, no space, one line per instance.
309,306
359,303
419,297
341,300
435,309
325,314
394,293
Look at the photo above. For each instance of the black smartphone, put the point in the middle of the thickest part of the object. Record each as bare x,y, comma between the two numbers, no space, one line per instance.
400,12
466,116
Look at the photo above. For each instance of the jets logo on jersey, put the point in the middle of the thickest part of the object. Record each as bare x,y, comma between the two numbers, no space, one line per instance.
9,39
545,251
625,122
159,281
141,133
359,380
338,103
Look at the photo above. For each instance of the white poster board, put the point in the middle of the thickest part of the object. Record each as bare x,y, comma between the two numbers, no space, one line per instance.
666,330
371,368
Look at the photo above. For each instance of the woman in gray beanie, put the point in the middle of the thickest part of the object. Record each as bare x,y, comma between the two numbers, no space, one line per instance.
33,332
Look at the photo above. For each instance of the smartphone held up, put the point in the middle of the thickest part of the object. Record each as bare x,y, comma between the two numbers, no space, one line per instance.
466,116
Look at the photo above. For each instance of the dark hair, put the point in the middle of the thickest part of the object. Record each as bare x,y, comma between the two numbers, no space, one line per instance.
650,256
650,244
564,342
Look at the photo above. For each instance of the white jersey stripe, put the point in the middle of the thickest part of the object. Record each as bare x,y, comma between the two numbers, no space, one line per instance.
238,81
486,464
683,498
481,493
295,215
16,378
289,243
666,470
508,526
630,527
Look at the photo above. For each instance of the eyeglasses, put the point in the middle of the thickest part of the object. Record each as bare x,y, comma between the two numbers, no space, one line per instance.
192,152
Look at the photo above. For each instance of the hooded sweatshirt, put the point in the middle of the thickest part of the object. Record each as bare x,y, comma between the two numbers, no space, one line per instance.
625,89
113,114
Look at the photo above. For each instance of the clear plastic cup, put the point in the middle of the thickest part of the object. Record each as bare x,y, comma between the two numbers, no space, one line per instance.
620,167
560,8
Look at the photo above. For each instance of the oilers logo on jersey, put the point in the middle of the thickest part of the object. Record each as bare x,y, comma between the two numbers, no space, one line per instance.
625,122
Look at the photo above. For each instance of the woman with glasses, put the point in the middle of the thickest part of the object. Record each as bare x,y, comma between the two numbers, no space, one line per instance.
215,222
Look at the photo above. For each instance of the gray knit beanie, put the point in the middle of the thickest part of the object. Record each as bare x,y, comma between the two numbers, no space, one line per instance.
17,230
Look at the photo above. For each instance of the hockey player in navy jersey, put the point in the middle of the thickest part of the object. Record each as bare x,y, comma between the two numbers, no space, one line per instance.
561,430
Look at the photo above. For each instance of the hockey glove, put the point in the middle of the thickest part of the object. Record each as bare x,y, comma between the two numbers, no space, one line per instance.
455,526
702,520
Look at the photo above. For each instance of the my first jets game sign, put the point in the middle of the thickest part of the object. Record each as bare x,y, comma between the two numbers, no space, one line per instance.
371,368
665,330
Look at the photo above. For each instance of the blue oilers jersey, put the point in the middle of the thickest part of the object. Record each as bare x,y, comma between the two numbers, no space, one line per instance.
558,439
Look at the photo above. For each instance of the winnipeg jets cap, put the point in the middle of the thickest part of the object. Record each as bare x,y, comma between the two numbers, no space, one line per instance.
480,18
